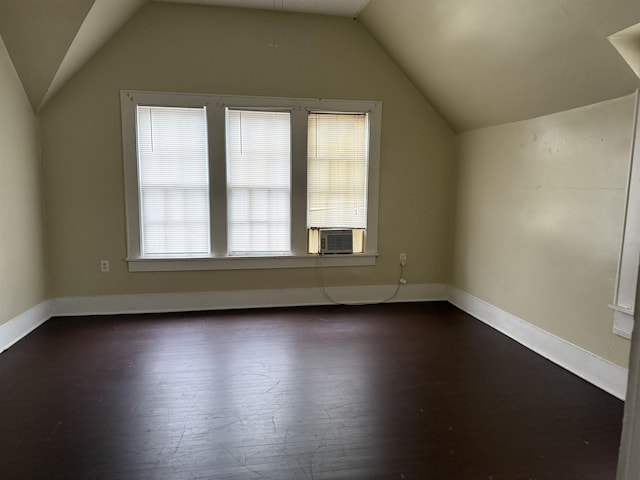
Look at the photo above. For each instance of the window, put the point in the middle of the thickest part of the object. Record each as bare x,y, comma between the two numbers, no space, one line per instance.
258,182
225,182
337,155
173,181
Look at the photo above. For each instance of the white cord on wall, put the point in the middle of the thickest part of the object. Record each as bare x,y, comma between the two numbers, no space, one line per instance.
320,279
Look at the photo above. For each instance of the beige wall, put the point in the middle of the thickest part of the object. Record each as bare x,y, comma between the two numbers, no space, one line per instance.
22,265
212,50
540,207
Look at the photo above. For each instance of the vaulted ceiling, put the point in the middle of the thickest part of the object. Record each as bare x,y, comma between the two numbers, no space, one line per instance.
479,62
488,62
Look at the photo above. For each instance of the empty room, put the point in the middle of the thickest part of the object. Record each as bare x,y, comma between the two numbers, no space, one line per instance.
312,239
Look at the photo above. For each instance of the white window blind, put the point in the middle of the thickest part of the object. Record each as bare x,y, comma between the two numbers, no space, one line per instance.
258,182
174,181
337,170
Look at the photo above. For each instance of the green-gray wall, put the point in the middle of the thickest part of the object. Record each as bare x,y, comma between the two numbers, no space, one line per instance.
184,48
22,264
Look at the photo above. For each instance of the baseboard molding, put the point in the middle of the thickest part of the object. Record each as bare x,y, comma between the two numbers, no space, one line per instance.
600,372
594,369
223,300
23,324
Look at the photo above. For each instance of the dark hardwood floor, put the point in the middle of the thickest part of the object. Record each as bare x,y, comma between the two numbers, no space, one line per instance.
402,391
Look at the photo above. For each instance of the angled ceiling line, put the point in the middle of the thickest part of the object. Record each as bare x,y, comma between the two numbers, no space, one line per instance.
102,22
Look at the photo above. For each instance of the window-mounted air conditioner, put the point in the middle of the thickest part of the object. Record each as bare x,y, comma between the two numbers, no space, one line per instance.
336,241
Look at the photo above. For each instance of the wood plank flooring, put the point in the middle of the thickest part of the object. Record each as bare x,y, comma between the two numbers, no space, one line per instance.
402,391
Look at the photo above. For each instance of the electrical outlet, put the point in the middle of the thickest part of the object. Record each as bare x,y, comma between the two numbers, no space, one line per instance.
104,266
403,259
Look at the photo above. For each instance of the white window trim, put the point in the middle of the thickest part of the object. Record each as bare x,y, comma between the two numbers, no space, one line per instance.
219,260
627,276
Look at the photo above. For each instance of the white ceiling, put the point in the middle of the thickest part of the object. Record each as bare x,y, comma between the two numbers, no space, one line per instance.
341,8
478,62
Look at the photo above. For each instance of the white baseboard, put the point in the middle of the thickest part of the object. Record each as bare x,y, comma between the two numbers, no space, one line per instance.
600,372
291,297
596,370
23,324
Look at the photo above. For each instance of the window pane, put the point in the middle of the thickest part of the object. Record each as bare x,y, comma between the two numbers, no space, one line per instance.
173,181
337,170
258,182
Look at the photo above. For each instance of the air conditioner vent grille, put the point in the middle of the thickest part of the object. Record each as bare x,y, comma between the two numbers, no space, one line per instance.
336,241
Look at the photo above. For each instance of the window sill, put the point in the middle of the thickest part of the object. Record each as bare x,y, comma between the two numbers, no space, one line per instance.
249,263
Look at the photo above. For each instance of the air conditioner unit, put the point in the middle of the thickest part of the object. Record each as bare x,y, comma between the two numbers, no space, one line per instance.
336,241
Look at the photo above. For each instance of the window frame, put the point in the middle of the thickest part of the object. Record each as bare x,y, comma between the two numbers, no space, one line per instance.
216,128
627,275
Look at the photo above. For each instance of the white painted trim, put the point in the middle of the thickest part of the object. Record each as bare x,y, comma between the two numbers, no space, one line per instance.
626,310
629,461
627,275
249,263
220,300
596,370
23,324
600,372
216,104
623,323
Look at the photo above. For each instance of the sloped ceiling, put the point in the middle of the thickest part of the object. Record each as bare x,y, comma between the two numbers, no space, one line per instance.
49,40
479,62
37,35
488,62
627,42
